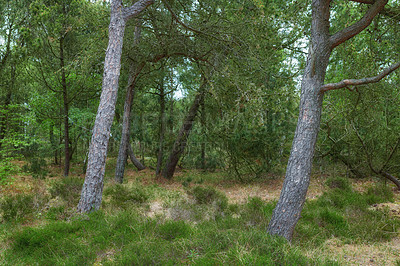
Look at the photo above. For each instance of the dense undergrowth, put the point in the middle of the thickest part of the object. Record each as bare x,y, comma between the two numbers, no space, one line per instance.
196,225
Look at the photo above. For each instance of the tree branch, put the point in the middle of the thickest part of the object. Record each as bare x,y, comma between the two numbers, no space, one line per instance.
355,82
369,2
177,18
357,27
135,9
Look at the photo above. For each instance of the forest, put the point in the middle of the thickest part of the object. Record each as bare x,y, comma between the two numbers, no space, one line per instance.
164,132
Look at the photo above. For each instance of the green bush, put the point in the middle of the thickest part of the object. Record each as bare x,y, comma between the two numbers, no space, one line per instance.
209,195
36,167
16,207
338,183
121,195
68,188
7,169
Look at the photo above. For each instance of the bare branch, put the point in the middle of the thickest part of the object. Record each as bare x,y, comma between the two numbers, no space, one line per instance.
135,9
355,82
369,2
357,27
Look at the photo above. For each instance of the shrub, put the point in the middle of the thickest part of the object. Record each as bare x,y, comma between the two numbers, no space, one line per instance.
338,183
209,195
36,167
121,194
16,207
68,188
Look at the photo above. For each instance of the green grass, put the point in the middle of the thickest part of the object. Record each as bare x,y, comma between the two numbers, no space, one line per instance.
212,232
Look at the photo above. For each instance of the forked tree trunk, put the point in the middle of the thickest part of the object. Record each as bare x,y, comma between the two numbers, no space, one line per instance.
92,190
293,194
180,143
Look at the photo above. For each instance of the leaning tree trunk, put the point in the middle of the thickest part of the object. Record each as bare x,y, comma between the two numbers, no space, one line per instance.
180,143
293,194
92,190
290,204
126,121
134,160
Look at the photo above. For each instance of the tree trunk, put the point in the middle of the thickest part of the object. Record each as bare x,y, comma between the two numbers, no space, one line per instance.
65,110
180,143
133,158
3,117
203,133
293,194
162,129
92,190
126,121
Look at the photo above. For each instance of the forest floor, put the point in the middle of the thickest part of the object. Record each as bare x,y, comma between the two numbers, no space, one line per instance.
168,196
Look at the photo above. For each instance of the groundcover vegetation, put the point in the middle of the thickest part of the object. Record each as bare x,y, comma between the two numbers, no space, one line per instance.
212,232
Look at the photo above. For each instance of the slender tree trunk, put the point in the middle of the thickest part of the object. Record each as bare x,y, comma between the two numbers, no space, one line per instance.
126,121
92,190
293,194
162,129
203,133
133,158
180,143
3,116
65,110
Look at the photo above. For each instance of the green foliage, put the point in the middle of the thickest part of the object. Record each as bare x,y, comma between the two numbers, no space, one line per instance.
7,169
257,212
36,166
209,195
16,208
68,189
122,195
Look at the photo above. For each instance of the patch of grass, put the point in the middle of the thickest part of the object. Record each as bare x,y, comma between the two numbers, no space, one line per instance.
16,208
343,213
171,230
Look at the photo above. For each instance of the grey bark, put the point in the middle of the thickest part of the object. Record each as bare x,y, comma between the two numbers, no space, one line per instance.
184,132
294,190
92,190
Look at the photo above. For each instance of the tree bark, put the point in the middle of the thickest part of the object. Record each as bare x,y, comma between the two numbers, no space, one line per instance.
203,133
134,160
92,190
293,194
180,142
65,110
162,129
126,121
